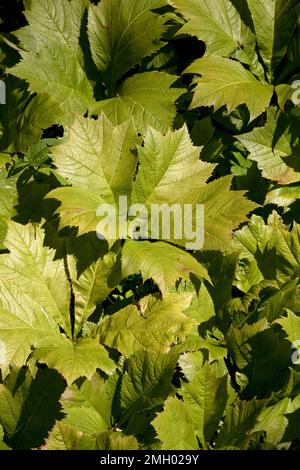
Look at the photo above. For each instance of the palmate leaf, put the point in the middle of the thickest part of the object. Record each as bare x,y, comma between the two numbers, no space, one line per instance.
274,23
165,323
272,249
221,27
25,116
271,147
198,415
35,293
69,437
97,394
51,57
170,172
29,406
169,168
147,380
163,263
32,283
147,98
239,424
73,359
205,398
66,437
18,335
174,427
98,161
262,355
215,23
122,33
225,82
291,326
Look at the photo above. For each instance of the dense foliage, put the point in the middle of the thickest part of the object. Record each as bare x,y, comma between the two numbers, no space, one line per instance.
142,344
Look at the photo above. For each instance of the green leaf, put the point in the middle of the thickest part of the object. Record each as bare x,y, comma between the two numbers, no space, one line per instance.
96,394
225,82
25,116
219,24
272,249
163,263
73,359
82,158
39,411
165,323
3,446
116,441
51,43
147,380
13,393
174,427
121,34
33,283
146,97
66,437
169,168
19,332
78,208
239,423
262,356
284,196
274,23
170,172
205,398
93,285
270,146
86,420
272,421
291,326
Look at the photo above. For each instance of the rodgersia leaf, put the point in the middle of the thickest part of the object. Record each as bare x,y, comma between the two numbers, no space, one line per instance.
98,160
147,98
29,406
33,284
51,59
197,415
73,359
272,251
122,33
164,321
271,147
225,27
163,263
3,446
225,82
147,380
239,424
93,285
67,437
25,116
174,427
170,172
274,23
